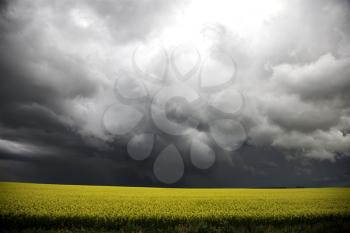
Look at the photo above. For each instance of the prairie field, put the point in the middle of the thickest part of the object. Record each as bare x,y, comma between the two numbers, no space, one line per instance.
28,207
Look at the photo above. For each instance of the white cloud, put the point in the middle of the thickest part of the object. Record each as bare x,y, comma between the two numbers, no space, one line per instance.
327,77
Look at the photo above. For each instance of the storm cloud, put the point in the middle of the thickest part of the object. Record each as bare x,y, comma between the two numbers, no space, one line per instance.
60,61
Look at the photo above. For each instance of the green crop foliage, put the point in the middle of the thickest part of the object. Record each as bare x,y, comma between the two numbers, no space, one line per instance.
45,207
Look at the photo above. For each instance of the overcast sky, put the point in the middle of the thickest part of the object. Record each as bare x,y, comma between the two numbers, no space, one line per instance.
68,112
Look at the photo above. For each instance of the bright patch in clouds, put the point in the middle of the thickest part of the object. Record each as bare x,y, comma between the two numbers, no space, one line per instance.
243,18
21,148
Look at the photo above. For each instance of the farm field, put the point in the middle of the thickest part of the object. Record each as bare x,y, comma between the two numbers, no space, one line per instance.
71,208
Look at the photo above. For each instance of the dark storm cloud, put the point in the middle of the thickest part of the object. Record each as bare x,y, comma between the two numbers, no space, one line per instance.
46,82
58,65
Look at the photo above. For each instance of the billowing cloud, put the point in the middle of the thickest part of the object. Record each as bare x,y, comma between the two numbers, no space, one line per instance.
60,61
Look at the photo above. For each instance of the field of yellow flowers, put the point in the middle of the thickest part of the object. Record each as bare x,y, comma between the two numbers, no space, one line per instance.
72,208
